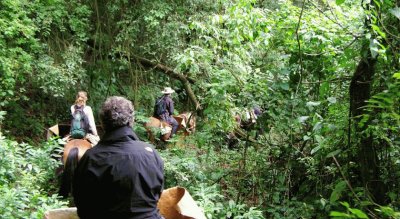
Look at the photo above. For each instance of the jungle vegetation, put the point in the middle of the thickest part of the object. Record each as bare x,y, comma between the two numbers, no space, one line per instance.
326,74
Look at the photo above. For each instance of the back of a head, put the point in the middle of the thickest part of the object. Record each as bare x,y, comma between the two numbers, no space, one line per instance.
116,112
81,98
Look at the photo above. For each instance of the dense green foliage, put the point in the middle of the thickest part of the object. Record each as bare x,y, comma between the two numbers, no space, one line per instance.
324,145
27,177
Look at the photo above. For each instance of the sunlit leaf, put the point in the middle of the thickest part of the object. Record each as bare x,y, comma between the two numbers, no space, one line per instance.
339,214
345,204
311,103
358,213
395,12
378,30
339,2
302,119
331,99
315,149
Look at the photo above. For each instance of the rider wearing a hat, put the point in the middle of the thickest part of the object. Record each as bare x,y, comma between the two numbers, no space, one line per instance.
167,116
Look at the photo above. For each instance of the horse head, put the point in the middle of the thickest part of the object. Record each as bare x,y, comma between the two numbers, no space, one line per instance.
187,122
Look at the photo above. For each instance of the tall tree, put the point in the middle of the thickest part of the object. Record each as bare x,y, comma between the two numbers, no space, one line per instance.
379,40
360,92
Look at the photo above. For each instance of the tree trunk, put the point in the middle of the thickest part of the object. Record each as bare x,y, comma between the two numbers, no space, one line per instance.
360,92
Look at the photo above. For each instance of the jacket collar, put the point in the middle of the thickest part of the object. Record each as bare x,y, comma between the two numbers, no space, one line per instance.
119,134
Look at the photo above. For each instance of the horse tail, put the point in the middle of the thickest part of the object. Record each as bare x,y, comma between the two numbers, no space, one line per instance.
68,174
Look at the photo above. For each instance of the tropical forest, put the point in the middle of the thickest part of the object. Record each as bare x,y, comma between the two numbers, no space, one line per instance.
293,105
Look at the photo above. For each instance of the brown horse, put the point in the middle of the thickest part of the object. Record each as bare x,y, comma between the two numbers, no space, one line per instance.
73,151
186,121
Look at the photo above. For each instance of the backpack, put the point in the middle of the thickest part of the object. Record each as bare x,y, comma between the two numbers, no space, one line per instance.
79,123
160,107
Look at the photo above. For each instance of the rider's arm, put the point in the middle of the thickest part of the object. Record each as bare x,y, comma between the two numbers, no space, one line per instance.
92,124
170,106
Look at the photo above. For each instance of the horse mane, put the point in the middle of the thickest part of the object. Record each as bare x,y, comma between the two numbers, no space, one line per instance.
68,173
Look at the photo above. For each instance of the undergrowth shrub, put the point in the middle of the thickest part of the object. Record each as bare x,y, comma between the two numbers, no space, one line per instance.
197,172
26,175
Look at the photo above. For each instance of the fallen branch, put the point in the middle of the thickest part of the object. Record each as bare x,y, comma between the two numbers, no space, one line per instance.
171,73
241,134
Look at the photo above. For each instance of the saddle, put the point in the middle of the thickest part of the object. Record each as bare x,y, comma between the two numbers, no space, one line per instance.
165,128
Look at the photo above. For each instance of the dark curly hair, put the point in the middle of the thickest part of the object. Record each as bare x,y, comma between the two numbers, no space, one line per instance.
116,112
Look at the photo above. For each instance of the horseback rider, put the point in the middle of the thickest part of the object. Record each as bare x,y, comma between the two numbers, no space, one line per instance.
86,127
122,177
164,109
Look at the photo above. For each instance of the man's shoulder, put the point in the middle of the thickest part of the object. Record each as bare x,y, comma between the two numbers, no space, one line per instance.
143,146
168,99
127,147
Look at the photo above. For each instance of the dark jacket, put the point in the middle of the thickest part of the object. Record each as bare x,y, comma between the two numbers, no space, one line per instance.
169,109
120,178
169,105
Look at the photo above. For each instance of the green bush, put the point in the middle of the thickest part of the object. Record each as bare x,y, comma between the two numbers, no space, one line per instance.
195,171
26,175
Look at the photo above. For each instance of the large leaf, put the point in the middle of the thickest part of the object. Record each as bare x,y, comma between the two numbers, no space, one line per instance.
339,214
358,213
395,12
336,193
315,149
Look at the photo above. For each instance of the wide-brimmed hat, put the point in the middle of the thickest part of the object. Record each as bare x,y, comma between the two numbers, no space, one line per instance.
167,90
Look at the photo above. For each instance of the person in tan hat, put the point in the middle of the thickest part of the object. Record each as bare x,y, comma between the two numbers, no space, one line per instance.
164,109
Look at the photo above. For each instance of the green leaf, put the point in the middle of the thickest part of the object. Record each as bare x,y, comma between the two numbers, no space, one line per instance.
331,100
339,214
324,90
312,104
333,153
358,213
378,30
302,119
339,2
315,149
345,204
284,86
336,193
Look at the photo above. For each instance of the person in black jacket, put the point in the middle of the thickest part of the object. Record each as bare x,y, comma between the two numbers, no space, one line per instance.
122,177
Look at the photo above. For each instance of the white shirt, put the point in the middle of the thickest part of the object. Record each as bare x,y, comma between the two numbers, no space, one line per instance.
89,113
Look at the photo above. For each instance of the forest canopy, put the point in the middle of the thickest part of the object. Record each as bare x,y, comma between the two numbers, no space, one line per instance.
324,73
